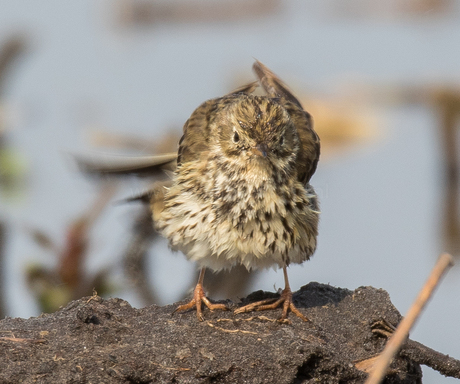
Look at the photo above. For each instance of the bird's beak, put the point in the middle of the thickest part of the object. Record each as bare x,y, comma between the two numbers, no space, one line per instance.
260,150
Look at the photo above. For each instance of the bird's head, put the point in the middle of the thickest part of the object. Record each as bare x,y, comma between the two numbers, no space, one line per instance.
257,131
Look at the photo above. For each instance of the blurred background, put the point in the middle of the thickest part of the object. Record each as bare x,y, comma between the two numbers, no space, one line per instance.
381,79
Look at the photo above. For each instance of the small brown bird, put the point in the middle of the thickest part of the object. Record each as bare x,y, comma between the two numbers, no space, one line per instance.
241,192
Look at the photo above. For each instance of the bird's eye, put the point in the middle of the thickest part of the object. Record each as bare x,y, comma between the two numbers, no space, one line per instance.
236,137
282,140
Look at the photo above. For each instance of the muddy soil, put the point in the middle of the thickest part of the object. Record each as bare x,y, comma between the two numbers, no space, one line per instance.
93,340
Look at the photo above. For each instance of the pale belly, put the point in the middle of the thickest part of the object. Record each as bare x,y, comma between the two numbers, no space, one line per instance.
255,233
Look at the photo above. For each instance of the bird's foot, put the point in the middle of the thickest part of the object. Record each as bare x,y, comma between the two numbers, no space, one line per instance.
285,299
198,297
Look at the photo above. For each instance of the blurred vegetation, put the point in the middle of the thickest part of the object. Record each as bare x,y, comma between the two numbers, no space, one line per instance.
68,279
12,166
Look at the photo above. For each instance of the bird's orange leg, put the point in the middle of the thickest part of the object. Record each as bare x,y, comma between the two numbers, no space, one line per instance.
285,299
198,297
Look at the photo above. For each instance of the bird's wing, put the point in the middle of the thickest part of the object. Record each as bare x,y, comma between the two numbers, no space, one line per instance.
309,140
195,140
154,195
272,84
308,158
248,88
124,165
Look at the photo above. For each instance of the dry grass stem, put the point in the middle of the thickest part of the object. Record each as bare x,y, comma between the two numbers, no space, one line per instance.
394,344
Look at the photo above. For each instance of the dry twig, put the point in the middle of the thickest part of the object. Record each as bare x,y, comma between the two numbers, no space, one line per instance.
402,331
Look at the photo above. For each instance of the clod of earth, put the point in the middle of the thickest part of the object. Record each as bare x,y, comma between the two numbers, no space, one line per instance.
93,340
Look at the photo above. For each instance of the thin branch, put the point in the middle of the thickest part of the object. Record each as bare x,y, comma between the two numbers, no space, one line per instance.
402,331
421,354
415,351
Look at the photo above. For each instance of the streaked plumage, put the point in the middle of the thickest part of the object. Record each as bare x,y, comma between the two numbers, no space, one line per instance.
240,194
